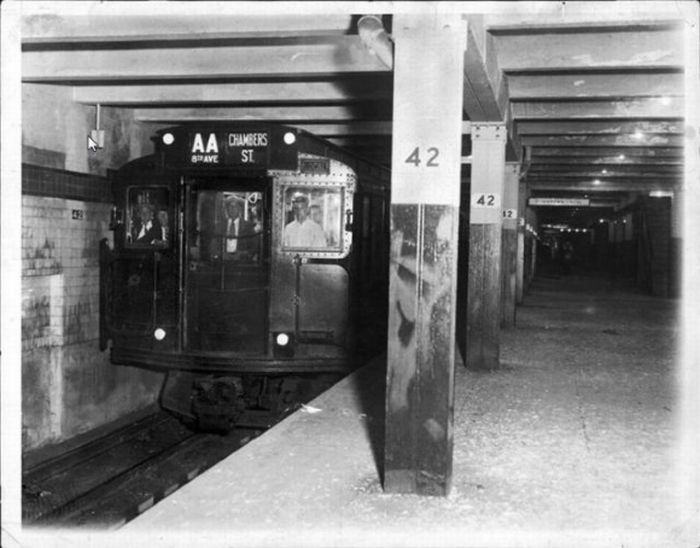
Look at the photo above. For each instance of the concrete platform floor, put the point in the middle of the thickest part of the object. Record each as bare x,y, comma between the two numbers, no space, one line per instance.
573,442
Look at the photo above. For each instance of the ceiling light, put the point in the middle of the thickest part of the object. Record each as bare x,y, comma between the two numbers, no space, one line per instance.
596,182
605,171
621,157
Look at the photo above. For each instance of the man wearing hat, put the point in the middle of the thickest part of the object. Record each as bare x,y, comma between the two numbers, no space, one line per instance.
303,231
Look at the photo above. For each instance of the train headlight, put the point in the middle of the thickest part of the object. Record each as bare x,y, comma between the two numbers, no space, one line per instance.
290,138
159,334
283,346
168,138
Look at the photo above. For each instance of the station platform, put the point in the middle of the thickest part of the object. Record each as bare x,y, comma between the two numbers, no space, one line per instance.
573,442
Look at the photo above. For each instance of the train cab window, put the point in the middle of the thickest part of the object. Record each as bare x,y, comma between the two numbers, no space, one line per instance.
313,219
149,217
230,226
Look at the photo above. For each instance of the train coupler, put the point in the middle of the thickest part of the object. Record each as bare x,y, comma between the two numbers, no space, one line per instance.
218,403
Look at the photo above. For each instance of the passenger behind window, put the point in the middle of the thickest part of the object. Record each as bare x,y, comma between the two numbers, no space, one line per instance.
164,226
303,231
240,241
145,229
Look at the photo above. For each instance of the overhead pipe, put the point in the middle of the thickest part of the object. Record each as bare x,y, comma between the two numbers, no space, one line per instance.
376,39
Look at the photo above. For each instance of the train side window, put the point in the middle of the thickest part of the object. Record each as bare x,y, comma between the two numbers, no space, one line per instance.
313,218
149,217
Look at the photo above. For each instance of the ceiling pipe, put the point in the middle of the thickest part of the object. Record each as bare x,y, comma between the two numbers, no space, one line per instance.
376,39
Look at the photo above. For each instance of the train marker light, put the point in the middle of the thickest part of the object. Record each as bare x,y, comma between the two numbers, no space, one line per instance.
168,138
290,138
159,334
283,346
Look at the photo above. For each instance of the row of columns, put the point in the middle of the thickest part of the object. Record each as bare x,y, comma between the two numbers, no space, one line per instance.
425,214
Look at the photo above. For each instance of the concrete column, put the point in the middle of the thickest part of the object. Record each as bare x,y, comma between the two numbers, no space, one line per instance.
485,215
509,244
428,72
520,261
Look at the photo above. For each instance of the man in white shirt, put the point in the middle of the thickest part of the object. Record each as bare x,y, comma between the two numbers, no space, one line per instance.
303,231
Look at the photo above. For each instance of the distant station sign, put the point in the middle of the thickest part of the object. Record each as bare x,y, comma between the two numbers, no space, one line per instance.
560,202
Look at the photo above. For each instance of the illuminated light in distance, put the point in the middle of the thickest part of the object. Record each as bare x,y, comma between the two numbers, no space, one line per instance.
605,171
282,339
601,220
159,334
290,138
621,157
596,182
168,138
665,100
638,134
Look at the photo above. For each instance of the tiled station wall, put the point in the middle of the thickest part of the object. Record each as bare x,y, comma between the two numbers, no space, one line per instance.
68,385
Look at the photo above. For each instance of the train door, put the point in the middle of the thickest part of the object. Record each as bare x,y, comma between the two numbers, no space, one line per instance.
226,265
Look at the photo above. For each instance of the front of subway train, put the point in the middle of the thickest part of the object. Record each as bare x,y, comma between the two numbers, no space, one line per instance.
229,270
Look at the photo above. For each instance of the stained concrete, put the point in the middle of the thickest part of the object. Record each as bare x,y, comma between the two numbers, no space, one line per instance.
572,442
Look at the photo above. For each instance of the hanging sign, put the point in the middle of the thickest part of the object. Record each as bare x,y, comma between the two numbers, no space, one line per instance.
559,202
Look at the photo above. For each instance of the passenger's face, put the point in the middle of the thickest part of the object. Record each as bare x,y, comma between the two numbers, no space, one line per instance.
301,210
146,213
233,210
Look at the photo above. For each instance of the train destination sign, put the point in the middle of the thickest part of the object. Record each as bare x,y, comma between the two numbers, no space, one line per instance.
230,148
560,202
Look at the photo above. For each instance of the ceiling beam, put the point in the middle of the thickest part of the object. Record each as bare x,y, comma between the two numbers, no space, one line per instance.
601,13
610,171
627,177
576,49
635,108
628,152
612,161
290,115
625,140
100,26
604,84
360,128
485,93
340,55
608,186
239,92
596,127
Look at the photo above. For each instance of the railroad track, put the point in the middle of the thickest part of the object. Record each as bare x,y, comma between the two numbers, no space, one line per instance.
110,481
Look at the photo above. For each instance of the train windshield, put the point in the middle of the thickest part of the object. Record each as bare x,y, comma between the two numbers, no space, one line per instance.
313,218
229,226
227,265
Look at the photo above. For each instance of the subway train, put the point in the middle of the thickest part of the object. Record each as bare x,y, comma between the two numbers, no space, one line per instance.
249,263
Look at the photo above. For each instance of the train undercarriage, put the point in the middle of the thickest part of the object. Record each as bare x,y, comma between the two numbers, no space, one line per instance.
218,403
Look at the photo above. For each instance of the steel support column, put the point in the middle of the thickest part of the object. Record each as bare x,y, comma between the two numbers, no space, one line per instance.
485,215
509,244
520,261
428,72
